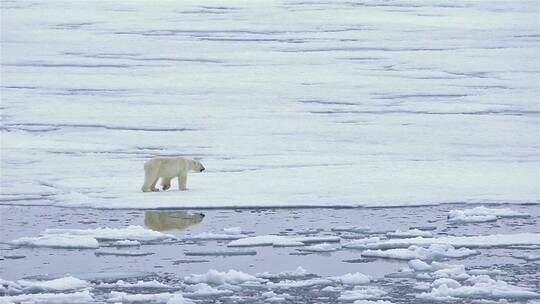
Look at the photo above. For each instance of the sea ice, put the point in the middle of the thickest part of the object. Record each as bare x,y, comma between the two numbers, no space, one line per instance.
482,214
220,252
215,277
280,240
56,285
201,290
298,273
433,252
72,298
140,284
323,247
478,287
58,241
166,298
122,253
409,233
361,293
356,278
134,233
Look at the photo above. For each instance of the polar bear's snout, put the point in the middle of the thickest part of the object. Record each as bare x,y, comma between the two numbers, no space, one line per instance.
202,168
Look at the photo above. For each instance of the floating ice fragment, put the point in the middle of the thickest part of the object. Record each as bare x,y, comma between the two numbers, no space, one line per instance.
72,298
132,232
220,253
324,247
356,278
290,274
166,298
482,214
479,287
140,284
122,253
280,240
435,251
409,233
355,229
58,241
361,293
126,243
215,277
62,284
201,290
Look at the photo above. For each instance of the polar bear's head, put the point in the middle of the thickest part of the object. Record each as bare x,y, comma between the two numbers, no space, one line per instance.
196,166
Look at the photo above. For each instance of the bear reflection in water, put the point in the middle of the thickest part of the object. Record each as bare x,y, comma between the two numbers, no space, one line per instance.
170,220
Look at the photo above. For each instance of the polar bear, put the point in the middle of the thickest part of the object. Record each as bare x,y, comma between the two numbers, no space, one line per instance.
168,168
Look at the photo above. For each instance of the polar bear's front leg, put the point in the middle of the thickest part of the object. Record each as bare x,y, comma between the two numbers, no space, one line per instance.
182,181
166,183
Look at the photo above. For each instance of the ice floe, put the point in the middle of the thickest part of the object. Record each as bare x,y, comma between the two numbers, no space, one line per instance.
280,240
232,233
123,253
58,241
362,293
477,241
323,247
72,298
298,273
137,285
205,290
482,214
220,252
409,233
433,252
215,277
126,243
476,287
56,285
132,232
165,298
356,278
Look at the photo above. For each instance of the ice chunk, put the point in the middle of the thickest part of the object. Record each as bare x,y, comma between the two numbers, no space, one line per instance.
136,233
419,265
205,290
409,233
482,214
323,247
140,284
126,243
355,229
356,278
372,302
220,253
215,277
58,241
72,298
232,233
279,240
361,293
288,284
478,241
290,274
362,243
167,298
232,230
62,284
122,253
479,287
96,276
435,251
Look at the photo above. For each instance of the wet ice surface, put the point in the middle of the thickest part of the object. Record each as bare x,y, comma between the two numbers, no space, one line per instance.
173,269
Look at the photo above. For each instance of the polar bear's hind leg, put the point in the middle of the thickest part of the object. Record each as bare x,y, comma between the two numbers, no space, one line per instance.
182,180
150,179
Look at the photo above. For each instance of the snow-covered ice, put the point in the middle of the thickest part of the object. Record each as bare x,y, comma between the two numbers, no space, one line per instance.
133,233
282,112
280,240
409,233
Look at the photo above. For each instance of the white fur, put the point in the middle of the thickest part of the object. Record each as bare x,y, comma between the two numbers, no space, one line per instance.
167,168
